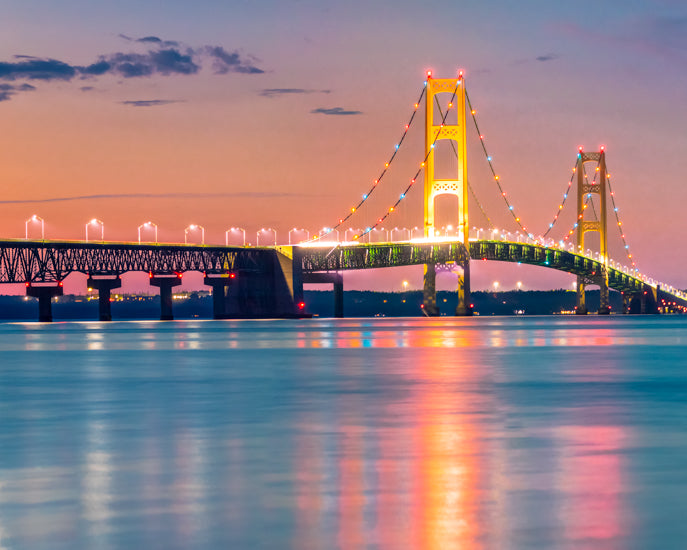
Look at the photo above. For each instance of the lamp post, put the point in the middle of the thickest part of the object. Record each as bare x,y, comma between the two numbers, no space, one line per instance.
296,230
147,225
328,231
496,286
519,285
266,230
34,218
194,227
95,221
234,230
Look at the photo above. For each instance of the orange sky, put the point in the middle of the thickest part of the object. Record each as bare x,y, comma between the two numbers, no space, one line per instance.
542,80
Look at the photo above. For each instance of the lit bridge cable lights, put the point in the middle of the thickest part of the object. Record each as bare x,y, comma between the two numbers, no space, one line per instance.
387,165
402,196
495,176
620,224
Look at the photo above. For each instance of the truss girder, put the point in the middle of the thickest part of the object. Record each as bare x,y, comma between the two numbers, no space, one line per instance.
38,261
369,256
554,258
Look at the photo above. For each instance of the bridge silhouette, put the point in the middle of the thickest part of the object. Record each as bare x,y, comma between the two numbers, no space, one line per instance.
267,281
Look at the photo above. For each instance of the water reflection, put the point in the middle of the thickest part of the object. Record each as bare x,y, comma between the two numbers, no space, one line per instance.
353,435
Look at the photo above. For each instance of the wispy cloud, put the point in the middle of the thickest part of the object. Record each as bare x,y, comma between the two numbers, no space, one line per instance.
224,62
8,90
33,68
239,194
151,102
338,111
163,57
547,57
274,92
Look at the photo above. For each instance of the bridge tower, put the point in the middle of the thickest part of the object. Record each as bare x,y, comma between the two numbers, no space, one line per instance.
584,190
457,186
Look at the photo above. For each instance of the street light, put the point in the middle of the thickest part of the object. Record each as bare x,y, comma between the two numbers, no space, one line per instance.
496,286
354,232
94,221
519,285
296,230
234,230
194,227
34,218
328,231
266,230
147,225
405,286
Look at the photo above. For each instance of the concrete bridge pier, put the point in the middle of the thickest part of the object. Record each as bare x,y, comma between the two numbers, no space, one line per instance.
166,283
220,285
581,308
45,295
429,291
335,279
604,299
627,301
464,307
104,285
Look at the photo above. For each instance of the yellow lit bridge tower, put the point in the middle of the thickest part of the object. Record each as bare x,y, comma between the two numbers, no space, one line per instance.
585,189
458,186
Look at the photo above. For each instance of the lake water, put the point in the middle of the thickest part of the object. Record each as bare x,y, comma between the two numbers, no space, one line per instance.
523,433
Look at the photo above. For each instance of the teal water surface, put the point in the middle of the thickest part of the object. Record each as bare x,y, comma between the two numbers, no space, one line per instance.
523,433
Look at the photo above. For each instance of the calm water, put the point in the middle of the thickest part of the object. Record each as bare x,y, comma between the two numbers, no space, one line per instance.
526,433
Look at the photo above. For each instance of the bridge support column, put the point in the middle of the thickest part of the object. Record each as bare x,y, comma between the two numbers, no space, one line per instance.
429,291
604,301
627,300
104,285
165,283
336,279
581,308
464,307
220,293
45,295
338,298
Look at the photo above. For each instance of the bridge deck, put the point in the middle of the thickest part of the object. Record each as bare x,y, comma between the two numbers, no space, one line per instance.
51,261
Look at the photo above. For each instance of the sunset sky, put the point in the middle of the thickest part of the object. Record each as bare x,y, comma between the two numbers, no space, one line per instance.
281,113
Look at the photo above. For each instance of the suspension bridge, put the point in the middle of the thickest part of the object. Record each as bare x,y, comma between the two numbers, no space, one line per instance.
267,281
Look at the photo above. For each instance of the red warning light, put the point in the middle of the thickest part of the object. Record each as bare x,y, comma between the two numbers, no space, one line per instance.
301,305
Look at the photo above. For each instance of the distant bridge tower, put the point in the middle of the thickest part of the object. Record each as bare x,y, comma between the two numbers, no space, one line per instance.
584,190
457,186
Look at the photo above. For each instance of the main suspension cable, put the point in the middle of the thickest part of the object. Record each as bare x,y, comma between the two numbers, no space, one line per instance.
387,164
422,165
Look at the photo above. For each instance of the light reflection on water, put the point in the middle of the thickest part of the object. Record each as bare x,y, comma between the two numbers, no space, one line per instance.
403,433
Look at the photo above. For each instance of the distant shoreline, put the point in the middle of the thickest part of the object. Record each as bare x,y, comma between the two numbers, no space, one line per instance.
195,305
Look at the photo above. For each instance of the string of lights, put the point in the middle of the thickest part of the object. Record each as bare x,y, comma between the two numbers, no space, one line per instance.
620,224
402,196
587,202
510,207
562,203
387,165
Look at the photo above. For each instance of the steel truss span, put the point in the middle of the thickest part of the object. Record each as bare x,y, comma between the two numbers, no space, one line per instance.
554,258
52,262
370,256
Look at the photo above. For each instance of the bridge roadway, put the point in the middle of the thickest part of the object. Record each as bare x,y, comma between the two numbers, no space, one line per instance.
267,281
